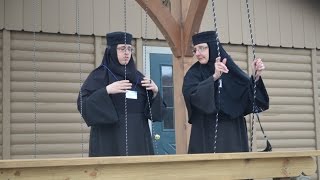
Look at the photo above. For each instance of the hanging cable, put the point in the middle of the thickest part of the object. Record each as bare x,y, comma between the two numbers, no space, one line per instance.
125,74
80,70
220,80
35,99
255,110
155,143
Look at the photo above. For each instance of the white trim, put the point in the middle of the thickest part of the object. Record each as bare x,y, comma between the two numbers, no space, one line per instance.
146,57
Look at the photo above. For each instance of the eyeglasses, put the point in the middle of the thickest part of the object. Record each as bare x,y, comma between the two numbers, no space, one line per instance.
125,48
200,49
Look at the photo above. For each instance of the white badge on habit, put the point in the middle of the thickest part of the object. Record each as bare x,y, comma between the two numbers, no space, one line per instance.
131,94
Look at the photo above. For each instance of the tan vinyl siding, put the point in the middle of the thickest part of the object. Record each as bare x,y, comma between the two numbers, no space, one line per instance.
101,15
273,22
67,16
278,23
1,94
1,14
58,127
260,19
13,14
50,16
317,21
290,122
235,22
31,15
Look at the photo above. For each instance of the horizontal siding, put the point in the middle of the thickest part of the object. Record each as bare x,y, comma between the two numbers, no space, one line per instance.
276,23
58,81
289,123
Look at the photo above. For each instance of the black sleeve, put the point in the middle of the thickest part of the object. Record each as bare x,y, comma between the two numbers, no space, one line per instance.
158,108
202,96
262,97
98,108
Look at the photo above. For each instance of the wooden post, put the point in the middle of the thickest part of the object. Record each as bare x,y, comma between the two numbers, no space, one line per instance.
314,66
6,111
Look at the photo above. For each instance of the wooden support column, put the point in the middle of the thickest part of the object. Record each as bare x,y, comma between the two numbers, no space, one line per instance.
6,133
314,64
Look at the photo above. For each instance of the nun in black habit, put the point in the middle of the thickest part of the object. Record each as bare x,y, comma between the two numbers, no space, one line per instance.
200,90
103,103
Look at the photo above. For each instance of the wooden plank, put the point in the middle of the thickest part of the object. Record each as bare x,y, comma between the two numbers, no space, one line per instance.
260,19
85,17
50,16
245,22
1,14
297,24
213,166
67,17
273,22
235,24
100,17
13,14
309,25
285,23
180,114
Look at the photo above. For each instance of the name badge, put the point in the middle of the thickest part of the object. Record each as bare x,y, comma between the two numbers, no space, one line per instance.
131,94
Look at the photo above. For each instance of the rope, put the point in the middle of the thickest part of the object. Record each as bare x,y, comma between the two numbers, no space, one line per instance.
220,80
255,110
255,85
125,75
80,69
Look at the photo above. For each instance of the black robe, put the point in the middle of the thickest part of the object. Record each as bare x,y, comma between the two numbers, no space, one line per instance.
201,96
105,114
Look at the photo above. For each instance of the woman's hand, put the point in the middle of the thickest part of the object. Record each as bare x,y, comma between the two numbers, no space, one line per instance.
150,85
257,67
220,67
119,87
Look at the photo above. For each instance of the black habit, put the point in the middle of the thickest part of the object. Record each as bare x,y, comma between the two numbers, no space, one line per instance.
236,100
105,113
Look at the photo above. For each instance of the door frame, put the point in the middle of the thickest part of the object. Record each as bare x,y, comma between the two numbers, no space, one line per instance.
152,49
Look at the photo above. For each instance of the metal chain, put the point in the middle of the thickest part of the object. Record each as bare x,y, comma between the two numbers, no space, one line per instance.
125,75
220,80
254,110
145,69
34,79
80,70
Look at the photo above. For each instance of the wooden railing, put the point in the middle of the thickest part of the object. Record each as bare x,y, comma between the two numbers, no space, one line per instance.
165,167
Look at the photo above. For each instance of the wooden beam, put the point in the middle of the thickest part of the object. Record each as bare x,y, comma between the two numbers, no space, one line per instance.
168,26
6,100
192,23
195,166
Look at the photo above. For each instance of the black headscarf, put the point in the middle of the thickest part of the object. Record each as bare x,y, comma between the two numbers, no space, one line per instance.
110,69
235,91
